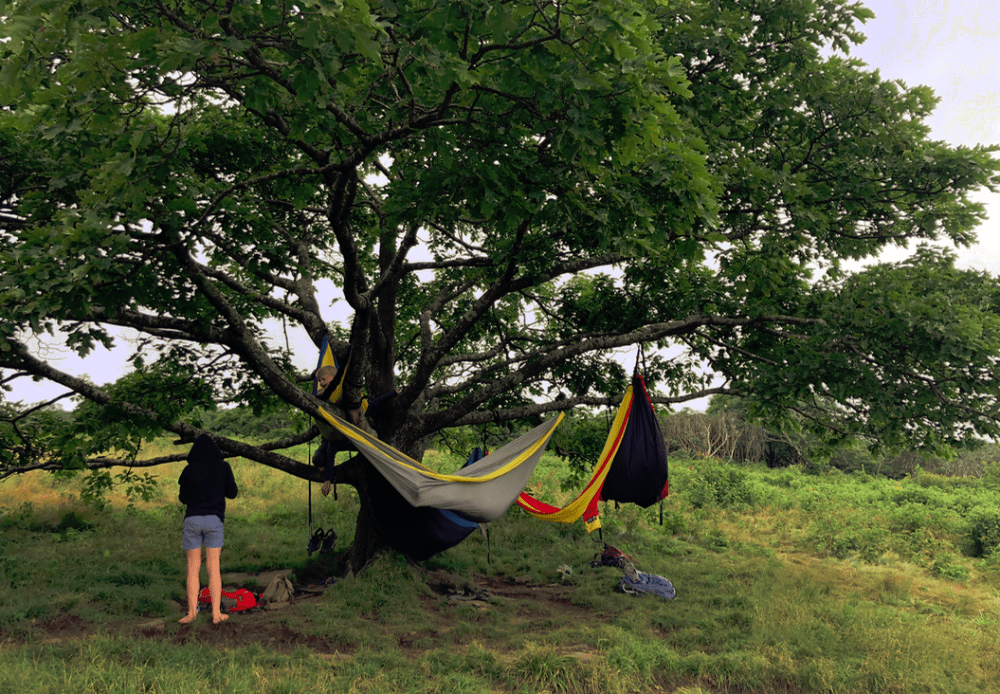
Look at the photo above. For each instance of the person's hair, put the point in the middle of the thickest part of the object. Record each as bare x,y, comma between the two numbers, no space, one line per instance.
327,370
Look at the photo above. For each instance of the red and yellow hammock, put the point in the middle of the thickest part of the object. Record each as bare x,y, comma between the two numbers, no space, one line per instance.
585,505
632,467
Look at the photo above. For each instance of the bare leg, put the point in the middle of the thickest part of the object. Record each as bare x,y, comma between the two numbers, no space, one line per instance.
193,583
212,556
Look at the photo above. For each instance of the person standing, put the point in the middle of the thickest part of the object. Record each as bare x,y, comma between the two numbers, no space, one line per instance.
205,484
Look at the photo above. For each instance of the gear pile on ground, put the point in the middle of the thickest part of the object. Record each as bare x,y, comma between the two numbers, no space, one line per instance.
271,590
634,582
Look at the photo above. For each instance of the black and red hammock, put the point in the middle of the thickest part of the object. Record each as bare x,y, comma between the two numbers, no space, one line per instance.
632,467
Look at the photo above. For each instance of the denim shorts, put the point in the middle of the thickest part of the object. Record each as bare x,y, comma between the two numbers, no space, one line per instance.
202,530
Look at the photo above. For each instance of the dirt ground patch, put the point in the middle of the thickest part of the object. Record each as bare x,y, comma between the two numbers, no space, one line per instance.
274,630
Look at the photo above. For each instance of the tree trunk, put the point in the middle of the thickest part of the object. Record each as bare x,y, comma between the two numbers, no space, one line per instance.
368,540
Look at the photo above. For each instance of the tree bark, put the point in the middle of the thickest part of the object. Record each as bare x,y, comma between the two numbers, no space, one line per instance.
368,540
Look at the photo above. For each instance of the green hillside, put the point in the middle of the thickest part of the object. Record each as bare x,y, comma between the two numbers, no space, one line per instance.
786,582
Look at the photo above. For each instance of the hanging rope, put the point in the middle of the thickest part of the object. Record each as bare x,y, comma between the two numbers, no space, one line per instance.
640,357
308,460
609,420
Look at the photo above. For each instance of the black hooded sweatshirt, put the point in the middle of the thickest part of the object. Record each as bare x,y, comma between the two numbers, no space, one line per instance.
207,480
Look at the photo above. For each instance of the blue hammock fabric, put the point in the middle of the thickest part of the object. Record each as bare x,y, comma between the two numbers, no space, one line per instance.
419,532
638,474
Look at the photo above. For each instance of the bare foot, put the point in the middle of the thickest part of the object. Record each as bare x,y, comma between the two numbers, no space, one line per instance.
219,618
187,619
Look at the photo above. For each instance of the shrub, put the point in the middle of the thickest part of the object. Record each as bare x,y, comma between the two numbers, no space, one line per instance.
947,565
719,484
851,458
846,534
991,475
984,527
675,522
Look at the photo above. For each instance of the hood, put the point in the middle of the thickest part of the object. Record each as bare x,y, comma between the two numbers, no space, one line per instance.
204,451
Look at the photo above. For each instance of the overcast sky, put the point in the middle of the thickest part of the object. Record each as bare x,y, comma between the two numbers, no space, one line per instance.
952,46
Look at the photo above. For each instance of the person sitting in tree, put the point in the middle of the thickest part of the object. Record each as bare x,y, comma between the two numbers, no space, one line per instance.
332,440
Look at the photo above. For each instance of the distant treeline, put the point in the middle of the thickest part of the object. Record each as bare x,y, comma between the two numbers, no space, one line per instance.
720,433
726,436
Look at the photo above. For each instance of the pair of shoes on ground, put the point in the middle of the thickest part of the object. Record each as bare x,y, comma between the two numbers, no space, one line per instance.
321,541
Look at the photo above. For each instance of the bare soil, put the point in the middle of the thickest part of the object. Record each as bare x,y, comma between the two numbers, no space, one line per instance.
273,629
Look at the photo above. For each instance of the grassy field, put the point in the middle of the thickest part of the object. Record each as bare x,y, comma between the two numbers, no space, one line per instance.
786,582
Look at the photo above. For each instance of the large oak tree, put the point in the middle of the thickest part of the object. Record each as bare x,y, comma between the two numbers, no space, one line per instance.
505,193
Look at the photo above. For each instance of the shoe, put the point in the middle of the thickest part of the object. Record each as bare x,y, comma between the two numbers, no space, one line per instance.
328,541
315,542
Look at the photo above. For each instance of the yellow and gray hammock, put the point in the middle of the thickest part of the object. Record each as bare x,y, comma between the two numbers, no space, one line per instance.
481,493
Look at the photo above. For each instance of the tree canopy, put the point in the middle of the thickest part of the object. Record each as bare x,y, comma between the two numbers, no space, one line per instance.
504,193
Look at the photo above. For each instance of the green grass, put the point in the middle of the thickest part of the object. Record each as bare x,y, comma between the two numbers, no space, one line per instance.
786,581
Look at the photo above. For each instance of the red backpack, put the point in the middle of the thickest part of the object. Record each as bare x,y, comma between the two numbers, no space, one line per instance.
232,601
612,556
